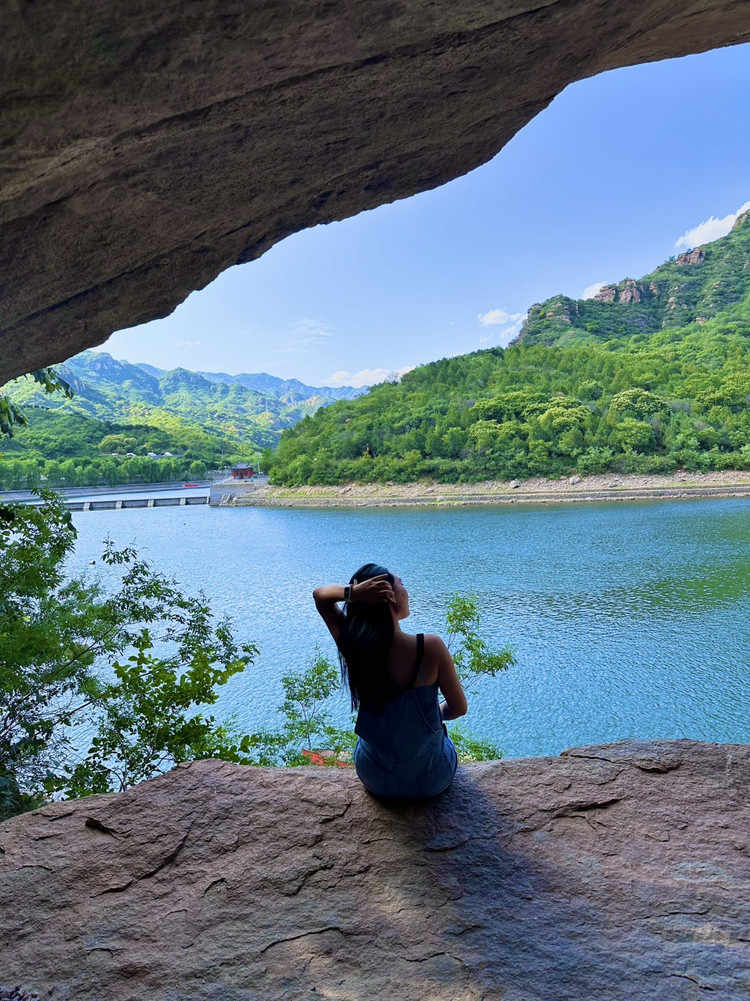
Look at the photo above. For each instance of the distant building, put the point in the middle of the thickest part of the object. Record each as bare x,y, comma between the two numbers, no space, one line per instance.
242,471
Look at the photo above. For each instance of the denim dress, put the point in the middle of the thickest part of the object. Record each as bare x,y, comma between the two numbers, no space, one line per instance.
404,751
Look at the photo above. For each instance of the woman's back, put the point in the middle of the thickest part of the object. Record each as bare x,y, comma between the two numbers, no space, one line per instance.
410,663
403,749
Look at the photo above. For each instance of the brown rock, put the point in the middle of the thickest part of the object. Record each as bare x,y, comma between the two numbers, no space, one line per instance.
629,292
606,294
147,147
615,872
696,256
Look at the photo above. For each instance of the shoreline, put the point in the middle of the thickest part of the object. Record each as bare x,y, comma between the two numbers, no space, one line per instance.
601,487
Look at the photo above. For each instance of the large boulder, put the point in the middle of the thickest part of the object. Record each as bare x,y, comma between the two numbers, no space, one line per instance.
148,146
617,872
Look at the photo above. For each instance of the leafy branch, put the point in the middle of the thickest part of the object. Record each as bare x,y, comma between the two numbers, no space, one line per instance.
12,416
128,674
473,657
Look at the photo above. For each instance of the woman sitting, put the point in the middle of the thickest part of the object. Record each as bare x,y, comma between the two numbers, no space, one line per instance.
403,751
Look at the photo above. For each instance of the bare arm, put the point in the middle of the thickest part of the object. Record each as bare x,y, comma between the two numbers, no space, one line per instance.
328,598
455,704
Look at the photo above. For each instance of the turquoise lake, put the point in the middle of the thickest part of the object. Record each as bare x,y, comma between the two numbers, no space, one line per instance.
626,619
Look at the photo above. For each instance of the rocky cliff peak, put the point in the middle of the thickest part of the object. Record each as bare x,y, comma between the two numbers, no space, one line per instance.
695,256
698,283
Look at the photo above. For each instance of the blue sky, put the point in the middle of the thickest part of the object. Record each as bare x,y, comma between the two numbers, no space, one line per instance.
613,178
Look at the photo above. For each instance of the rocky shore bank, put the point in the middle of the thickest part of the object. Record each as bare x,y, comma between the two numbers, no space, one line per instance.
600,487
617,873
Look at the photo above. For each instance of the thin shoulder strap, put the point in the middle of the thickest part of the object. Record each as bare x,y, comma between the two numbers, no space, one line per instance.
420,658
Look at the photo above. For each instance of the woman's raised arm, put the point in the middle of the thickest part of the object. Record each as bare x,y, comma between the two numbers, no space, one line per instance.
371,592
327,600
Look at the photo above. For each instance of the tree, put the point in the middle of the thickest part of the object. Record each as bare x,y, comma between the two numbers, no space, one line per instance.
634,435
637,404
471,654
117,443
307,734
129,668
197,470
11,416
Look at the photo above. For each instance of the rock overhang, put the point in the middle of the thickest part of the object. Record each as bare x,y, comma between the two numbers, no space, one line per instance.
147,148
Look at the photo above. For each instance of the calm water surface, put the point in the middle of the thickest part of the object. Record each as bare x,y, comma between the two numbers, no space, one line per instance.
626,619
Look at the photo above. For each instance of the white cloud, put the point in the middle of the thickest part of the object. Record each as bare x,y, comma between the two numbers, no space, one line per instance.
365,377
498,318
186,344
306,337
590,291
510,323
711,229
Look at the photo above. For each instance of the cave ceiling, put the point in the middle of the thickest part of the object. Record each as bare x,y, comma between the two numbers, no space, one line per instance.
147,147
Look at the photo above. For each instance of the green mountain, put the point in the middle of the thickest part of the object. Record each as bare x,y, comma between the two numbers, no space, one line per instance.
120,413
690,288
651,375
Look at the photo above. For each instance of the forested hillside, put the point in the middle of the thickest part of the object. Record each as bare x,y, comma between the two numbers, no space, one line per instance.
651,376
119,413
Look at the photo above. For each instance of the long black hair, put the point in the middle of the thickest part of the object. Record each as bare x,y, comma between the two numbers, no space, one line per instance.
364,644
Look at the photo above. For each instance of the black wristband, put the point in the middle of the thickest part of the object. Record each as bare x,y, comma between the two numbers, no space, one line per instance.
347,592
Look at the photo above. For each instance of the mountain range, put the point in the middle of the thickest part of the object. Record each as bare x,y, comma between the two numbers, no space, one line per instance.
290,391
650,375
230,415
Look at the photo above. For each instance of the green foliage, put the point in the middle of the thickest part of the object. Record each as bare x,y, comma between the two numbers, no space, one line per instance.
645,385
52,382
122,410
88,702
146,720
470,749
465,419
11,415
471,654
307,721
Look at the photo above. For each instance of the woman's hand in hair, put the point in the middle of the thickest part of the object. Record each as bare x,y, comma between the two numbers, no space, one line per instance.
373,591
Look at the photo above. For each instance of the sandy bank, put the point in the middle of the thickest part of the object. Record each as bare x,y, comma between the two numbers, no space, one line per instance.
601,487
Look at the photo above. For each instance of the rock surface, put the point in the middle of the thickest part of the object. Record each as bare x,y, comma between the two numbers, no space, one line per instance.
147,147
617,872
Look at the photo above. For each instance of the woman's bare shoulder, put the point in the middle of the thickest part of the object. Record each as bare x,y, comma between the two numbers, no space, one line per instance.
434,645
435,653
